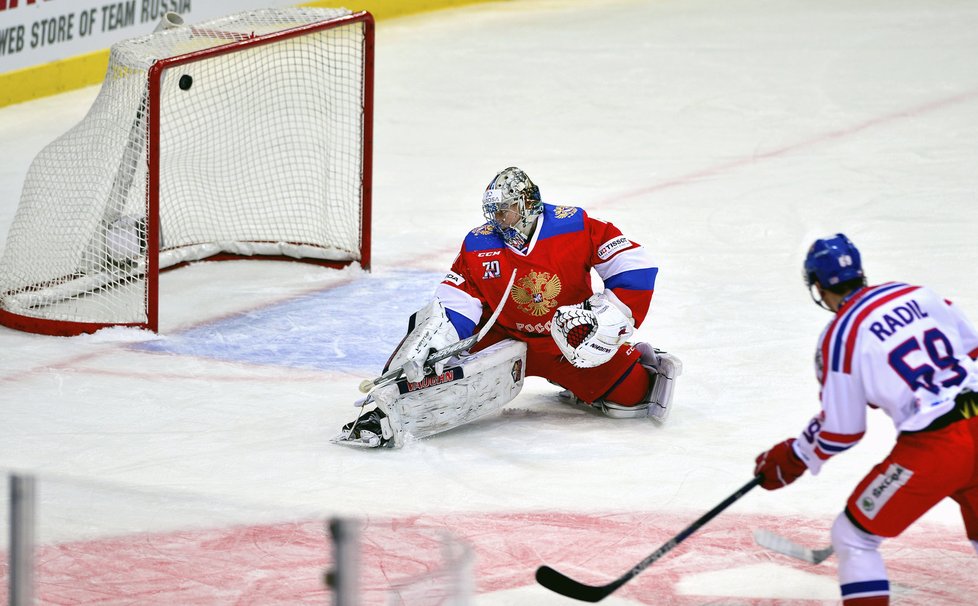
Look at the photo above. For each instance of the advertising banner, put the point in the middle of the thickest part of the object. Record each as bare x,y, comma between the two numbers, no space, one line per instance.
34,32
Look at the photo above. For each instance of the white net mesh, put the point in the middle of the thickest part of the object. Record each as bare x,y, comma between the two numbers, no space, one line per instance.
260,137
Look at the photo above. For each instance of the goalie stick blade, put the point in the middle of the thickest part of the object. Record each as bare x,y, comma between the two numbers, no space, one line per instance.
566,586
782,545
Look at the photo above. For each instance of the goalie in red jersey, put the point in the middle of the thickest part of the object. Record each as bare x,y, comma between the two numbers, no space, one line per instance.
552,324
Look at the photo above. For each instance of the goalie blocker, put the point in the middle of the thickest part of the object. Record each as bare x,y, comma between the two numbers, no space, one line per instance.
469,388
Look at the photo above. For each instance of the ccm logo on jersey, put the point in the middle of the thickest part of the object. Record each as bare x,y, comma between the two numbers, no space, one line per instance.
609,248
491,253
882,489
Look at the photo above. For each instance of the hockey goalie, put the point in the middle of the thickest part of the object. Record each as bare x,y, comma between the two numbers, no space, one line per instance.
545,321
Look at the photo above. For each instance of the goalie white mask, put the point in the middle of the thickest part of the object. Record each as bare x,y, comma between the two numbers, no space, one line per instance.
511,204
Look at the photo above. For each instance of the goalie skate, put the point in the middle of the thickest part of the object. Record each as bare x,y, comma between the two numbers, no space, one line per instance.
664,368
370,430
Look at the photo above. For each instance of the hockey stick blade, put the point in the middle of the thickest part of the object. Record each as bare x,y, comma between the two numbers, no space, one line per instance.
564,585
442,354
560,583
782,545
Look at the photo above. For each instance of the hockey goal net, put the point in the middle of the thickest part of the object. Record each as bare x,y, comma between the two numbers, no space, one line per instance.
246,136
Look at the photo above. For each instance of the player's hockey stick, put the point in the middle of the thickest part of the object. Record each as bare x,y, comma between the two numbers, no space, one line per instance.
442,354
780,544
564,585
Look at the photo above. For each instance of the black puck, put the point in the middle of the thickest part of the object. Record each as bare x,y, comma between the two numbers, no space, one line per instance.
186,81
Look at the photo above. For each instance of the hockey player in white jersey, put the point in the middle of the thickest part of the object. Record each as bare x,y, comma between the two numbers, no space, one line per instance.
910,353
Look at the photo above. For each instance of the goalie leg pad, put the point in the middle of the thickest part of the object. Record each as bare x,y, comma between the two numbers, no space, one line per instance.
481,383
664,368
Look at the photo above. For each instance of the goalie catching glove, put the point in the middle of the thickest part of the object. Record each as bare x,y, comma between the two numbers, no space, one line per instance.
589,333
429,330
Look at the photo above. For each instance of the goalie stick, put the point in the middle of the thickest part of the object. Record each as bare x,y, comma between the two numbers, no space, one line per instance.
783,545
566,586
368,385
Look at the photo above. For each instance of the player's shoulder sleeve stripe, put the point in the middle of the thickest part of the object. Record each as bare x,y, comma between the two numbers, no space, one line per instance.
559,220
632,268
481,238
634,257
832,340
878,301
840,342
462,309
635,279
463,326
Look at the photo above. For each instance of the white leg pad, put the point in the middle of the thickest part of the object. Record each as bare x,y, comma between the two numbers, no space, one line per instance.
664,368
477,385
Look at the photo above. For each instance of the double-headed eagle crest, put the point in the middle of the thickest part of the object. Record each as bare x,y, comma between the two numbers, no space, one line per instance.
535,292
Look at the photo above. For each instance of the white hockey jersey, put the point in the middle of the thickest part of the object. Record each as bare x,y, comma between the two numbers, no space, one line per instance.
900,348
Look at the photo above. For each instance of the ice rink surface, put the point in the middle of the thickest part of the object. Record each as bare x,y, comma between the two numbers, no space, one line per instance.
194,466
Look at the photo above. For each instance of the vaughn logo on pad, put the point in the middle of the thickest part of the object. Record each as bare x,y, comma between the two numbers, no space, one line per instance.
451,374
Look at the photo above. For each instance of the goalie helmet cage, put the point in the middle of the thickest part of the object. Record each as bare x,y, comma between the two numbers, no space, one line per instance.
247,136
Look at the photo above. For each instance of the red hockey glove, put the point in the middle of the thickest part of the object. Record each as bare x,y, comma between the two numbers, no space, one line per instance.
779,466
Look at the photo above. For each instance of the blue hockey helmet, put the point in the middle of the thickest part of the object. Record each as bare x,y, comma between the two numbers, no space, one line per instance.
833,261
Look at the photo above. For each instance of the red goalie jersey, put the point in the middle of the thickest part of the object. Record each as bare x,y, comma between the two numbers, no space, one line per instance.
554,270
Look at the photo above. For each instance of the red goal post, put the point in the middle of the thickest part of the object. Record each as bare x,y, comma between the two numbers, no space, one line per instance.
248,136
